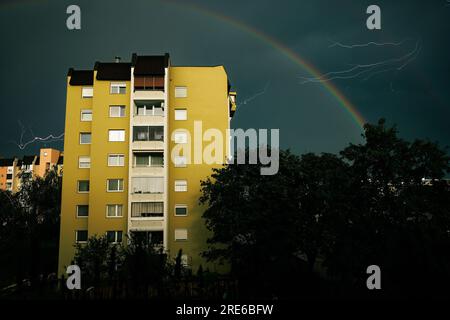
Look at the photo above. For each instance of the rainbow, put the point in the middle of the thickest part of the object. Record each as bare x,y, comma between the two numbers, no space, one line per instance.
263,37
280,47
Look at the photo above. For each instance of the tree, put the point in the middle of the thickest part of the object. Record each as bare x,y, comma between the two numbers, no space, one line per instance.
30,225
395,220
379,202
92,258
253,220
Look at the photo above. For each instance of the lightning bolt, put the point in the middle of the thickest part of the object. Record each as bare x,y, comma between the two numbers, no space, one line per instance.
22,145
369,69
362,45
254,96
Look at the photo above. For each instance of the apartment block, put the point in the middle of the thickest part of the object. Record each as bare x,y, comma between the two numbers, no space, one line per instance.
124,120
11,169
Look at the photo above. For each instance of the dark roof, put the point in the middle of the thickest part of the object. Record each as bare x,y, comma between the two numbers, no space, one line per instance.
38,160
81,77
150,65
19,162
60,160
6,162
113,70
28,159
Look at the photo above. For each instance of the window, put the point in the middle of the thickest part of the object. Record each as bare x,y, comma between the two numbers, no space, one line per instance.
116,160
180,92
180,114
117,111
82,210
181,210
180,185
148,133
115,185
154,238
147,209
84,162
9,176
181,234
87,92
147,184
116,135
86,115
149,159
85,138
9,186
83,186
118,88
180,137
81,236
155,108
114,210
114,236
180,161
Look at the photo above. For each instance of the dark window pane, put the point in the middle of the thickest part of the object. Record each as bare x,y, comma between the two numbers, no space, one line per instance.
83,210
82,235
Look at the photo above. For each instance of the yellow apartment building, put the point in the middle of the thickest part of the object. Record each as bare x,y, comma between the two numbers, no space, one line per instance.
124,120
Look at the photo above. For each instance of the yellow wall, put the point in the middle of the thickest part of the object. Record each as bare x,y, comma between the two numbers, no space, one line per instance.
72,150
206,100
100,148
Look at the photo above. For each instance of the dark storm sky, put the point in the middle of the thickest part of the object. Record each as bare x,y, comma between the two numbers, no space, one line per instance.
37,49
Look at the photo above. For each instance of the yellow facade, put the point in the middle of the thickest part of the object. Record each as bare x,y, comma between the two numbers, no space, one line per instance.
207,100
72,174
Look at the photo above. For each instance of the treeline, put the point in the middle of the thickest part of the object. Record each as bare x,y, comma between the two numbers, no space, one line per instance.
313,229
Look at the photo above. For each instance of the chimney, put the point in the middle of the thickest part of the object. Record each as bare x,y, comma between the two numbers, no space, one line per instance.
117,59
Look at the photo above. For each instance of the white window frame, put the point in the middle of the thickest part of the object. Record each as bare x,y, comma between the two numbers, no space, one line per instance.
183,206
86,112
116,210
181,234
89,133
85,158
120,107
76,237
115,88
119,156
119,190
87,92
121,135
180,161
182,185
77,209
78,186
180,114
181,92
180,137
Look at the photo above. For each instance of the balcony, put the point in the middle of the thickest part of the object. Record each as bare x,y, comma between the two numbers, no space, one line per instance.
147,210
148,138
150,112
149,87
